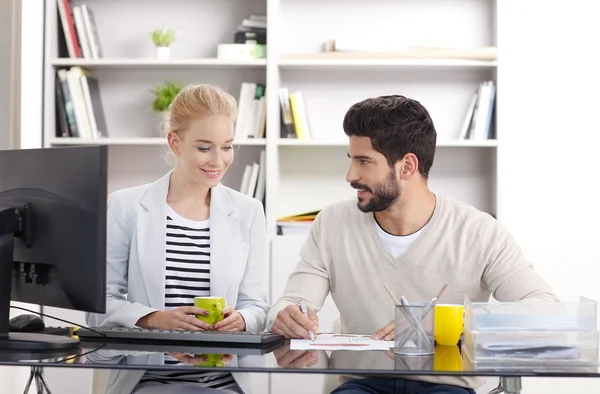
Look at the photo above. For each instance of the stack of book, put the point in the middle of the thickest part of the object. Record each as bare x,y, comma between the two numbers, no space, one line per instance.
252,112
79,30
253,29
254,179
478,120
249,40
294,116
79,110
296,225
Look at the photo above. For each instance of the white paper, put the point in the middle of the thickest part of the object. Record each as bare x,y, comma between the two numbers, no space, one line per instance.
341,342
538,323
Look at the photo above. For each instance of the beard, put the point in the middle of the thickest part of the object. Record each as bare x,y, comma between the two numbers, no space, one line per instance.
383,195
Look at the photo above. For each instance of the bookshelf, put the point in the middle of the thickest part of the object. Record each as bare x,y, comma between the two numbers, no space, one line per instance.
301,174
329,84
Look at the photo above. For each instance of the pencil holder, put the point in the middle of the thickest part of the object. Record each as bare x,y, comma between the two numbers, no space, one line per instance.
414,324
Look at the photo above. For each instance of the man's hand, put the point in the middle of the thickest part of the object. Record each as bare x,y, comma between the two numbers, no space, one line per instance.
233,321
287,358
181,318
385,333
292,323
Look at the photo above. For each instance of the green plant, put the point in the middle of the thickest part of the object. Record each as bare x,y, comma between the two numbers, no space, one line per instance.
164,94
163,37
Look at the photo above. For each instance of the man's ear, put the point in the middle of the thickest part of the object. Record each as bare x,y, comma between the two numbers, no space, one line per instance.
408,166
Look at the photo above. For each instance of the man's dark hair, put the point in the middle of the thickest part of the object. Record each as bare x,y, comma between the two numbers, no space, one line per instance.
396,125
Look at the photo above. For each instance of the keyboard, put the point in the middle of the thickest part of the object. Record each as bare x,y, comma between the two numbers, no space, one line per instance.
139,335
180,347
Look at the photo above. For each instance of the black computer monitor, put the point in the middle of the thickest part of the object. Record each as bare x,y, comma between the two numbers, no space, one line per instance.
52,236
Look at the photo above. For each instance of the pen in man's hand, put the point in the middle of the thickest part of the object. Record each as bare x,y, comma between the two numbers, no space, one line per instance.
305,311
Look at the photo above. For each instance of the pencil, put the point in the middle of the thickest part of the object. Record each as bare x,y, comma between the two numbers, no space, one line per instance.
391,294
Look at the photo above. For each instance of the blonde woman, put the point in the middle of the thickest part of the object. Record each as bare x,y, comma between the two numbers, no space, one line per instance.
184,236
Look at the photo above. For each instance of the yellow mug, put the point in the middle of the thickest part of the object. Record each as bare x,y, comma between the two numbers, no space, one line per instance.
213,305
447,358
448,324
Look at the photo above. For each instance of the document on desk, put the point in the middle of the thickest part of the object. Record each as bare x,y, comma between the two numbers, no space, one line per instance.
341,342
537,323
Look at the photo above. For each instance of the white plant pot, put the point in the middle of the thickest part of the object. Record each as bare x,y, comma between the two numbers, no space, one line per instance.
163,53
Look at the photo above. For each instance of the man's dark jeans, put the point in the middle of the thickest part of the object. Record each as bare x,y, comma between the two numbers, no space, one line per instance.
397,386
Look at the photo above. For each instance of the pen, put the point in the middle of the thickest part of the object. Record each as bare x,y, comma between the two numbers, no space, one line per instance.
433,301
417,323
409,332
408,314
303,307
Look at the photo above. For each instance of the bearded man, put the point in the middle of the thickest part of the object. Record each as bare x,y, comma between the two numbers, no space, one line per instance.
401,233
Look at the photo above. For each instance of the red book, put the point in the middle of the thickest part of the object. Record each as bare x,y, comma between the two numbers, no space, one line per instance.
66,17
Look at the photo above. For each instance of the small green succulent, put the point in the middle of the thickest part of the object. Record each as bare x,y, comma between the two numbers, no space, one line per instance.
163,37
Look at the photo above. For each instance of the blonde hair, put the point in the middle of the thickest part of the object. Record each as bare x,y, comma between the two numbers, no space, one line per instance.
194,102
198,101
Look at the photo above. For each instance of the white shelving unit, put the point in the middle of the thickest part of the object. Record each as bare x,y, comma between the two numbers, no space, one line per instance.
301,174
330,86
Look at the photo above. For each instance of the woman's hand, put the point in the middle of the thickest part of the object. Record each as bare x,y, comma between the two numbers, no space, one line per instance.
181,318
200,358
233,321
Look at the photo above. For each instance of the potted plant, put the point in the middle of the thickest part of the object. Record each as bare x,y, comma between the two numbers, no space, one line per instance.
163,96
162,39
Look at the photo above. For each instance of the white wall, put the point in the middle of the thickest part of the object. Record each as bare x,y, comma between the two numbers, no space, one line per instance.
32,56
6,46
549,153
13,379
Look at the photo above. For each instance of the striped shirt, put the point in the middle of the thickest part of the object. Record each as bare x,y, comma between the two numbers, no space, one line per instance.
187,260
187,275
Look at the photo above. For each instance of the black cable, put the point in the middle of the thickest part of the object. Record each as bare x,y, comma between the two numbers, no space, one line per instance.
81,355
56,318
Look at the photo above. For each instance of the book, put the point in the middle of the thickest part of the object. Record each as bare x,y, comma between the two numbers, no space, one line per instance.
302,216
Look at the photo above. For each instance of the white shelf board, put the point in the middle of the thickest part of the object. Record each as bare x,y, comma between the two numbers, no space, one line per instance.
297,142
361,64
156,63
468,143
134,141
444,143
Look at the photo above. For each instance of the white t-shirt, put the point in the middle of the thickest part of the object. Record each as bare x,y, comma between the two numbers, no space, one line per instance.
397,244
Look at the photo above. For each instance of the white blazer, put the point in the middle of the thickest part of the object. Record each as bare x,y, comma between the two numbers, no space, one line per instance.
136,232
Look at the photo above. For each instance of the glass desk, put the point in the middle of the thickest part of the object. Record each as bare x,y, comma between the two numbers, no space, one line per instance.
447,361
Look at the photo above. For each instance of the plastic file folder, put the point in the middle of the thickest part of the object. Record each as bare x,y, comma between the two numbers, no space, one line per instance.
531,333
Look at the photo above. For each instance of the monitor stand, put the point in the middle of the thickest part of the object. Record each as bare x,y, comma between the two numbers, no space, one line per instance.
17,223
